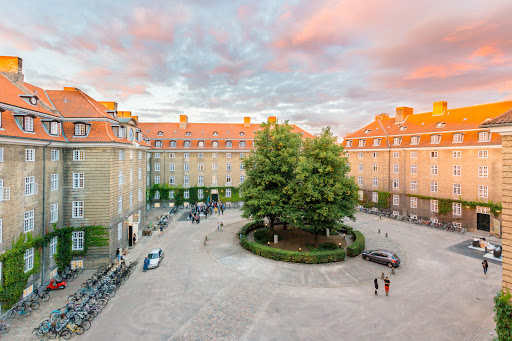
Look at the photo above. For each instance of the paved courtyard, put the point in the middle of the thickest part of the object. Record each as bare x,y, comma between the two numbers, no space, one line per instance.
215,290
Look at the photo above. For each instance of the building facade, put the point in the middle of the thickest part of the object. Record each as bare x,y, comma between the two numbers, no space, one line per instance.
440,165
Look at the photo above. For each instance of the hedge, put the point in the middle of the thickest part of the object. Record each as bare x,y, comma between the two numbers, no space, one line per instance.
503,318
285,255
356,248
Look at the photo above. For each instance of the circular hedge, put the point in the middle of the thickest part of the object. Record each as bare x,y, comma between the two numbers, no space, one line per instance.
286,255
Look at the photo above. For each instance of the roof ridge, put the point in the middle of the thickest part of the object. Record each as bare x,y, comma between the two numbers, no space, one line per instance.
92,104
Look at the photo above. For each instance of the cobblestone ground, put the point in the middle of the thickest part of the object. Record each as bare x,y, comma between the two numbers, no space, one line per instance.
215,290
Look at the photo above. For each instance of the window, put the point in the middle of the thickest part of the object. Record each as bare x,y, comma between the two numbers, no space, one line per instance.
483,171
433,205
140,173
1,154
78,209
440,124
28,123
433,186
375,182
157,167
435,139
396,200
120,204
121,154
396,155
396,183
456,154
456,170
241,144
360,167
215,144
131,175
456,189
157,195
139,195
228,155
433,170
376,142
186,167
157,179
228,192
130,198
200,144
30,186
457,138
395,168
228,179
415,139
397,141
433,154
456,208
171,180
172,144
55,155
121,178
414,169
186,155
215,133
229,144
157,155
78,155
375,154
53,246
122,132
414,185
375,167
200,194
158,144
242,155
140,155
30,155
186,180
349,143
54,182
483,191
77,240
186,194
28,223
188,133
360,180
414,154
172,155
214,166
483,154
186,144
242,179
360,195
79,129
171,167
119,231
242,166
375,196
29,259
360,155
362,143
214,155
414,202
200,167
214,179
200,180
484,136
200,155
171,194
131,154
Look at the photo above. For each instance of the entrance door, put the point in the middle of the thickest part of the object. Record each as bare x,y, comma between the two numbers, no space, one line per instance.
130,234
215,197
483,222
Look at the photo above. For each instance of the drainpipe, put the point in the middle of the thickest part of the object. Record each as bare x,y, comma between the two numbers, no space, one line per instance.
405,185
389,155
44,211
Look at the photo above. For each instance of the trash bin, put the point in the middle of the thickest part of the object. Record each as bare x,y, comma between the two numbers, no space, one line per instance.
476,242
497,252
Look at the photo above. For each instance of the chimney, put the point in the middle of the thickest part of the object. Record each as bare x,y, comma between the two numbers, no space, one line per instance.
247,122
124,114
12,67
111,106
272,119
402,113
381,116
183,121
439,108
71,88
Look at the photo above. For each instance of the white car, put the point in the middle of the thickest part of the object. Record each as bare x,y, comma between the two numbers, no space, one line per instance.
155,257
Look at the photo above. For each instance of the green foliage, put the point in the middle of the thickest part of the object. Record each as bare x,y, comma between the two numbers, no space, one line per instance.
357,247
445,205
382,203
503,318
270,170
322,193
343,228
179,196
264,235
327,246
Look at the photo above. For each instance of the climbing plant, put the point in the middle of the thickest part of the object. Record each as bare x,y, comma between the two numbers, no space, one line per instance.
503,318
193,193
445,205
382,203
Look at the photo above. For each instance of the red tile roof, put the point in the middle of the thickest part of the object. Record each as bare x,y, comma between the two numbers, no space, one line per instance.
100,131
76,104
505,118
11,129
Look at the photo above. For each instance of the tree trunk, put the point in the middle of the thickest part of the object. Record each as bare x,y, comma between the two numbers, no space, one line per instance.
316,238
272,225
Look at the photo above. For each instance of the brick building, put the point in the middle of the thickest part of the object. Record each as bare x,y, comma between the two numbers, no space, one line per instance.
66,160
440,165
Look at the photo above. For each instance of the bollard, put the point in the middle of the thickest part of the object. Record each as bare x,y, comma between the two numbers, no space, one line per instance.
276,238
392,271
327,232
379,231
382,276
386,234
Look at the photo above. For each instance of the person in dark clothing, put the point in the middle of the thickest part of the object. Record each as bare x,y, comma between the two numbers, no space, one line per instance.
134,239
376,282
485,265
386,285
118,254
146,264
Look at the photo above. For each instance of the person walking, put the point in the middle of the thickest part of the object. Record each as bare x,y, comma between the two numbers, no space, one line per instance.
376,282
215,209
485,265
386,285
146,264
118,254
161,229
134,239
221,226
193,218
218,226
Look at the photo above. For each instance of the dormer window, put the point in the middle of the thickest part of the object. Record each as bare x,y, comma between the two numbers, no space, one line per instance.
80,129
349,143
28,123
215,144
172,144
415,139
229,144
435,139
440,124
241,144
158,144
362,143
122,132
376,142
241,133
30,99
402,128
54,128
200,144
484,136
367,131
215,133
137,135
397,141
187,144
188,133
160,133
457,138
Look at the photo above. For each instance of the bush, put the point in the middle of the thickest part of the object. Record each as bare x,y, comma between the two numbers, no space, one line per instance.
327,246
343,228
356,248
263,236
503,318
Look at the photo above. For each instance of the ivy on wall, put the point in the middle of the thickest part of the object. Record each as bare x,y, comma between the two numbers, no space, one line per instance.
15,278
445,205
382,203
179,197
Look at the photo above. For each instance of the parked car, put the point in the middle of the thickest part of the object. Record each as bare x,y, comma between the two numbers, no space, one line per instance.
382,256
155,257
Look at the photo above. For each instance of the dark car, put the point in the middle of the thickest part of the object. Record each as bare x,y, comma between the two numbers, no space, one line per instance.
382,256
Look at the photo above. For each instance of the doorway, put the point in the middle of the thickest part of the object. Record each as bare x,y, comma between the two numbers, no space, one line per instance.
483,222
215,197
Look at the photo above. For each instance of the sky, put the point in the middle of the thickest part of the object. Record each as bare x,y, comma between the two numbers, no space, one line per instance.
315,63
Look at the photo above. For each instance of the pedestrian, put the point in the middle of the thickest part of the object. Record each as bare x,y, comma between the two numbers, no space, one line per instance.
215,209
221,226
218,226
198,219
134,239
206,214
123,259
161,229
386,285
118,254
146,264
376,282
193,218
485,265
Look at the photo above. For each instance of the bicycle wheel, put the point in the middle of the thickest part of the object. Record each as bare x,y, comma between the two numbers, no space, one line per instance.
27,312
79,330
65,334
34,305
52,334
86,325
46,296
74,275
4,329
12,313
79,270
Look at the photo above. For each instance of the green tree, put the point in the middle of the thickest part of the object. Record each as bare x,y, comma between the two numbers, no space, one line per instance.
322,193
270,171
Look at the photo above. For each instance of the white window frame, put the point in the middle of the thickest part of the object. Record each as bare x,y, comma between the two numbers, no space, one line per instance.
140,173
54,182
414,202
200,180
483,171
200,193
54,212
130,199
434,205
457,189
375,196
375,167
457,208
119,231
483,191
139,194
396,199
360,167
457,154
157,179
434,187
375,154
414,154
228,192
362,143
414,185
77,240
375,181
397,141
78,180
200,167
228,166
172,167
228,179
415,140
78,155
435,139
456,170
157,167
78,209
172,180
55,155
30,186
53,246
30,155
434,170
80,129
186,167
186,194
186,155
360,155
396,183
157,155
414,169
484,136
458,138
28,258
120,204
376,142
360,180
483,154
186,180
242,179
396,168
